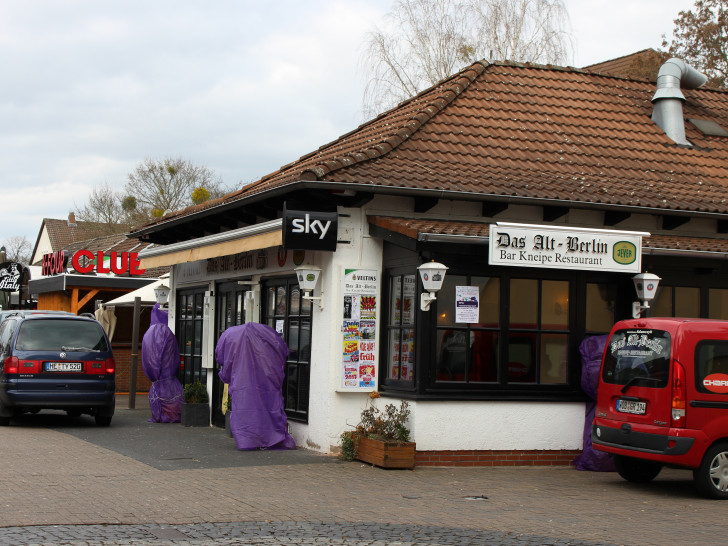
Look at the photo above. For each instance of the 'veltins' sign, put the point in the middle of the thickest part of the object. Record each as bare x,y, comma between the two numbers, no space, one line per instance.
85,261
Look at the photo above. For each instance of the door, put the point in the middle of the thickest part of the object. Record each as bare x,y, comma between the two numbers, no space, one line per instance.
229,311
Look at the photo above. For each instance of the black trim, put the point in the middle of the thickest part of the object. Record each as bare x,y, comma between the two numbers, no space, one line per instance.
708,404
641,441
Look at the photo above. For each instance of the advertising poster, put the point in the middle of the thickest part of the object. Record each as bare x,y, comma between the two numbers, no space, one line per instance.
359,327
466,304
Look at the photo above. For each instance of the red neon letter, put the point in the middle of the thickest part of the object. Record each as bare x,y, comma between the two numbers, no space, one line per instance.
77,261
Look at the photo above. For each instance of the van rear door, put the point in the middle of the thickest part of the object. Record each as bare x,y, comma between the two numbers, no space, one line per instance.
635,377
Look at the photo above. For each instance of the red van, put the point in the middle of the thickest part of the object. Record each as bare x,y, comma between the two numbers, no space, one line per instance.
663,400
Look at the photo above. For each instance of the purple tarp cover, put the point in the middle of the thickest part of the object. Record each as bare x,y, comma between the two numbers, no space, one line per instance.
592,349
160,362
252,357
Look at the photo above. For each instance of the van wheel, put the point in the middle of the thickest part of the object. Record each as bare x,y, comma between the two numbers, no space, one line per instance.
636,470
711,477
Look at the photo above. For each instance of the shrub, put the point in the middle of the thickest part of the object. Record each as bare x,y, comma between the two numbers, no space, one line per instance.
196,393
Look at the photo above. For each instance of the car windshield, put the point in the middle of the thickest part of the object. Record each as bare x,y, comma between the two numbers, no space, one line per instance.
60,335
637,357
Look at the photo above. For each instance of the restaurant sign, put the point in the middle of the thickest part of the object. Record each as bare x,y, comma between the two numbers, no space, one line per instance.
558,247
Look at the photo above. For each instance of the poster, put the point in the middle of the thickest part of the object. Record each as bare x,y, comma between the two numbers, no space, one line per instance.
467,304
359,327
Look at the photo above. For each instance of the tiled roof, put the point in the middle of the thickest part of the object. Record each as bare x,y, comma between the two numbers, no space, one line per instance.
629,65
62,233
415,227
503,131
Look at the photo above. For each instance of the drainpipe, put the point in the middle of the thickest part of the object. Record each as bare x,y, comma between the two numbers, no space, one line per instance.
667,112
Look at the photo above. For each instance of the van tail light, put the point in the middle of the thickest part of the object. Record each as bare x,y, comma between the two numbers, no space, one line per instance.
678,395
29,366
110,366
11,364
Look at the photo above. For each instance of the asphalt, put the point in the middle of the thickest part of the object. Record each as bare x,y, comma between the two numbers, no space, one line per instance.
66,481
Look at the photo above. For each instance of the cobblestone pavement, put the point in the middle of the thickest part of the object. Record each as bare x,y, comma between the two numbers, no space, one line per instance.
65,481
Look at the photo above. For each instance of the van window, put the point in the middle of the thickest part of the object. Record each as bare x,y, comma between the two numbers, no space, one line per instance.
639,357
711,366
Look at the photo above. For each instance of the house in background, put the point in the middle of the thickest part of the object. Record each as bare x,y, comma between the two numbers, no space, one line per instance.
542,189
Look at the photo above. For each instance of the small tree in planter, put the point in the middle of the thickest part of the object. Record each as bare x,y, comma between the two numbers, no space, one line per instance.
196,409
381,438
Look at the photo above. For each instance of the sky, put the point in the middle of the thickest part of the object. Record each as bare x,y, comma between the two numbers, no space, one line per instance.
91,88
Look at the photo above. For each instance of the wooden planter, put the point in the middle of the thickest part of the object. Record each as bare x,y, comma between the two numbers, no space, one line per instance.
386,454
195,415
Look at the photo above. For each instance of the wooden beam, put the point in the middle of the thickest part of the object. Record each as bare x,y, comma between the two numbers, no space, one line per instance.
76,304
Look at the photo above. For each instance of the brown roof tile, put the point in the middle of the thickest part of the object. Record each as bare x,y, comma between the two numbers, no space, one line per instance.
537,132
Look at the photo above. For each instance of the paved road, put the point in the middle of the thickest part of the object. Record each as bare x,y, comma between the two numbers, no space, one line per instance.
64,481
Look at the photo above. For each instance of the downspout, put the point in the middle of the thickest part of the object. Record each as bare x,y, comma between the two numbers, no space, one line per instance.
667,112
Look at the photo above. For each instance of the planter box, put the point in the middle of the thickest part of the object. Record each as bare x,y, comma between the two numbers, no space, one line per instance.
195,415
386,454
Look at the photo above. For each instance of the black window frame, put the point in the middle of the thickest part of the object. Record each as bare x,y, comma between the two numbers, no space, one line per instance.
297,378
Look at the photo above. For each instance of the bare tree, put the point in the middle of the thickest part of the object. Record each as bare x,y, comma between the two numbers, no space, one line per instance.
104,207
168,184
18,249
701,39
425,41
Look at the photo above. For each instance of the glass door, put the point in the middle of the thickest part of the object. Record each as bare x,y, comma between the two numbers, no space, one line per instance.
229,311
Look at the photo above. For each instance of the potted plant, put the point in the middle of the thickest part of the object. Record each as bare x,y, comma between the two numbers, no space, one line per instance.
381,438
196,409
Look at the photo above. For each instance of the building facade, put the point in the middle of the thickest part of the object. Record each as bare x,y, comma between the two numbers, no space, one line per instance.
542,190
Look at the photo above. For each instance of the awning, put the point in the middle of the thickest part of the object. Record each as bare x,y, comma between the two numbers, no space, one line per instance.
264,235
423,230
145,294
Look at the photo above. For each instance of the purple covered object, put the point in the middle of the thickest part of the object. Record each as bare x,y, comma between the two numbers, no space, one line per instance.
252,357
160,362
159,316
591,350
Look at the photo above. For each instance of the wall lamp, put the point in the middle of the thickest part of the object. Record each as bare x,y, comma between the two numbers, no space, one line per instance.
161,294
308,276
645,284
432,275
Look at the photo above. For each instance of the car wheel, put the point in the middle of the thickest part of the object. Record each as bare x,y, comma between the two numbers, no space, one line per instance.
636,470
711,477
102,420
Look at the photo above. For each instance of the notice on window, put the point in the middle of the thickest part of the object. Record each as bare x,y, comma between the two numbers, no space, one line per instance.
359,327
467,304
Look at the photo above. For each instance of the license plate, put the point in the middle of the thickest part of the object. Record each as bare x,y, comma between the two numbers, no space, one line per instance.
63,366
630,406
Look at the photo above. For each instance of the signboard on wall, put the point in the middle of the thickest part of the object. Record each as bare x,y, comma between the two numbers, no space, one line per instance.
309,230
359,327
524,245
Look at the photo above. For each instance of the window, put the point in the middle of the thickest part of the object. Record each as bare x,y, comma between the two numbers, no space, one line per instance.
711,366
285,310
718,298
401,328
189,334
639,357
600,299
468,352
676,301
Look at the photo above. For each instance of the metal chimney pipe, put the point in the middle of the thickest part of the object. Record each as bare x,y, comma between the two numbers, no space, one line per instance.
667,112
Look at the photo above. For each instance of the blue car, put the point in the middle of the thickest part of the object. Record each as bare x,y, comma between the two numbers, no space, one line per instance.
59,362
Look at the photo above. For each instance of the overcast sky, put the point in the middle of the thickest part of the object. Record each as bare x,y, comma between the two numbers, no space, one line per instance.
92,87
